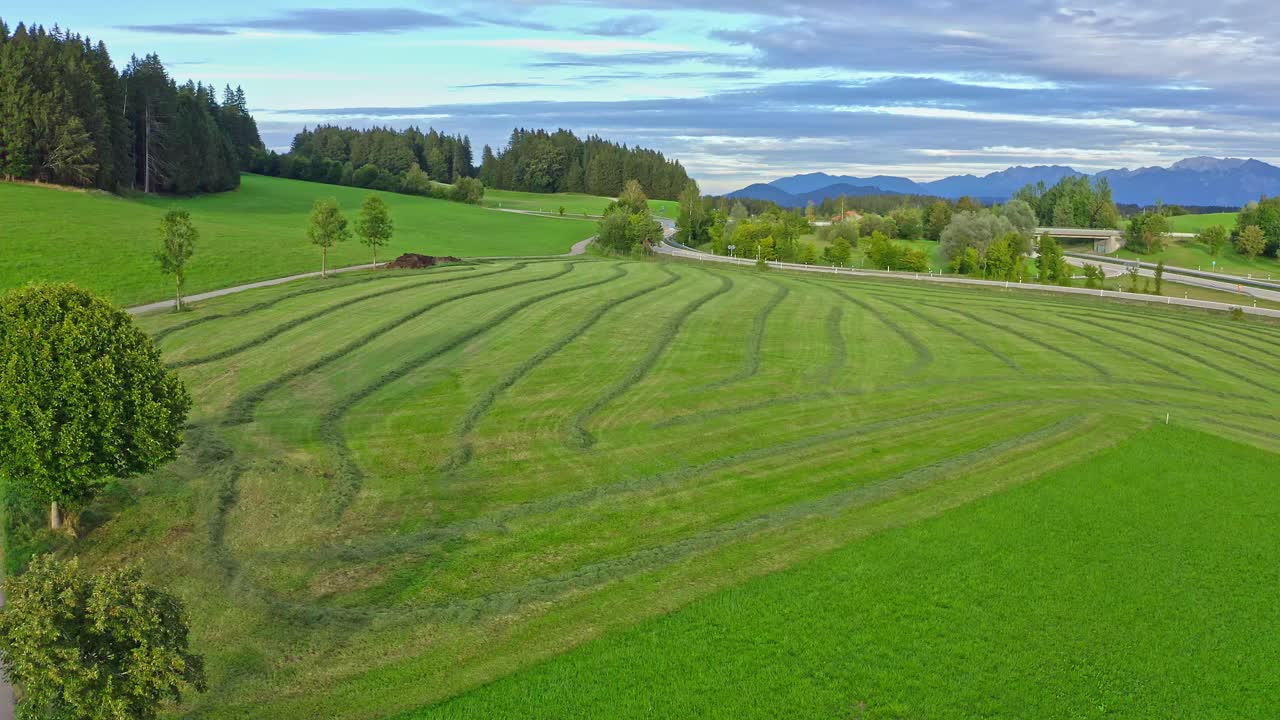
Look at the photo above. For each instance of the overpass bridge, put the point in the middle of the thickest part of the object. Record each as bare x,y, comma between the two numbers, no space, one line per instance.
1105,240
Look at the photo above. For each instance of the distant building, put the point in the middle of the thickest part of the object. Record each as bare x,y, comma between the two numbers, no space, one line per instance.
848,215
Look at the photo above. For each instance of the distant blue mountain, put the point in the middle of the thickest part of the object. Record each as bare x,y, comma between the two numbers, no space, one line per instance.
1204,181
761,191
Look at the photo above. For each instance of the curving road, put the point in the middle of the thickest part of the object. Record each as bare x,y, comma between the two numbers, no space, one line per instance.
1212,281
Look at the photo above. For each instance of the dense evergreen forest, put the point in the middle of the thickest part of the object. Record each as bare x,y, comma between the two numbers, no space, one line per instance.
534,161
539,161
68,117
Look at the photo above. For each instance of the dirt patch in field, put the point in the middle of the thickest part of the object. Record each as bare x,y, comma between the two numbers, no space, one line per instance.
414,261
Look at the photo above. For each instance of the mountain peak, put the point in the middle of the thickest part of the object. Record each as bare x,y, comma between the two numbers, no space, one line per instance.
1205,163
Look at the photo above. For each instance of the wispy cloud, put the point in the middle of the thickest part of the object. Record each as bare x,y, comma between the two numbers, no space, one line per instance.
324,21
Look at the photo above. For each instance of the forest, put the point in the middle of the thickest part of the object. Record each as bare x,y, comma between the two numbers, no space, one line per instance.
68,117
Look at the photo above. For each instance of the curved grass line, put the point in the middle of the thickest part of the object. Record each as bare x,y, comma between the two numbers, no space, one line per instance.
836,341
1097,341
463,452
656,557
755,341
980,344
292,323
1100,369
578,433
924,357
328,286
1263,331
425,541
349,477
1177,350
243,408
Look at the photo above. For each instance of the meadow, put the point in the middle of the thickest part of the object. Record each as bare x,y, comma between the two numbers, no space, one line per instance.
409,494
106,243
1196,223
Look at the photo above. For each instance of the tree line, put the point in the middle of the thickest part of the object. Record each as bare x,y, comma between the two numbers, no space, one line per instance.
68,117
551,162
407,161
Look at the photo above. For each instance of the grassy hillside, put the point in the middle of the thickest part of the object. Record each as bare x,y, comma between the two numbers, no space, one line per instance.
107,243
1196,223
400,487
1189,253
1100,591
573,203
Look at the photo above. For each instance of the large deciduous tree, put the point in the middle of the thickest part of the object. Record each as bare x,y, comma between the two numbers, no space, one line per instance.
374,226
84,396
85,647
1215,238
178,237
328,228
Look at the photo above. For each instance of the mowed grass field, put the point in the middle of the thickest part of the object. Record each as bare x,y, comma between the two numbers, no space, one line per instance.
408,495
258,232
573,203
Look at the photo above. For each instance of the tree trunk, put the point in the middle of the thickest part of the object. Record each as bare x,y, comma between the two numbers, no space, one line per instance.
324,256
146,155
375,257
55,517
177,289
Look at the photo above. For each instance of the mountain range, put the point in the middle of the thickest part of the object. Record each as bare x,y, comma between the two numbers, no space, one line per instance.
1198,181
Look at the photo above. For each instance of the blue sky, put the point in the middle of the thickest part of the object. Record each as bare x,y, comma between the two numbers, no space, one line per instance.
746,90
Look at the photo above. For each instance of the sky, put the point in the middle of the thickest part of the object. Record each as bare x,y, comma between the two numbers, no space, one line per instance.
744,91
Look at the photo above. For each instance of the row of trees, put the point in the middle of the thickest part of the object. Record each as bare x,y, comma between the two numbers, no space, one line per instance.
1075,201
67,117
552,162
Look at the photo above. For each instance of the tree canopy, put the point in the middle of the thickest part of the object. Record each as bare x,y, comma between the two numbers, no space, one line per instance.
84,395
67,116
1075,201
84,647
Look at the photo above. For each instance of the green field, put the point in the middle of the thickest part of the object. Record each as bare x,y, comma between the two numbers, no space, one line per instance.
1196,223
1189,253
258,232
400,488
962,616
573,203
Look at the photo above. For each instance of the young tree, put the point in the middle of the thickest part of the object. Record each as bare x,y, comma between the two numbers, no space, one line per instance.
1251,242
328,228
84,395
692,220
94,647
374,226
177,243
1050,261
1160,278
1147,232
810,213
1214,237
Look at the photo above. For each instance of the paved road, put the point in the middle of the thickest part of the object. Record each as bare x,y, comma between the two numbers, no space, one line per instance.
1226,283
168,304
681,252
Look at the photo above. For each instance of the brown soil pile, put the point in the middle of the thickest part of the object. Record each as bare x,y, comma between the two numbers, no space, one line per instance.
414,261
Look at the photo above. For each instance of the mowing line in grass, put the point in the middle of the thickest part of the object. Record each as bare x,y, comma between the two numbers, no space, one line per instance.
336,283
243,408
462,452
292,323
1063,352
981,345
348,476
578,433
751,360
924,357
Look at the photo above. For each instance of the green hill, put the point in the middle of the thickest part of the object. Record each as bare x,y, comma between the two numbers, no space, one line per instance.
573,203
106,243
398,488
